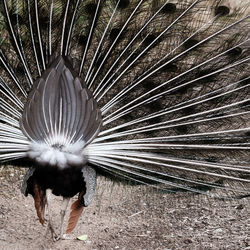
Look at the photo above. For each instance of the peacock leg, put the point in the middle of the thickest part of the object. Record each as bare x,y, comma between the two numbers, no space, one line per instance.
50,226
65,203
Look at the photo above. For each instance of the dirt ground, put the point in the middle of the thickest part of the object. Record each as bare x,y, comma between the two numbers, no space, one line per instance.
126,218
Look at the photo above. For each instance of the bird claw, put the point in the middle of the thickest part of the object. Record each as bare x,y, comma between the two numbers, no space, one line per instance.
64,237
52,231
56,237
46,222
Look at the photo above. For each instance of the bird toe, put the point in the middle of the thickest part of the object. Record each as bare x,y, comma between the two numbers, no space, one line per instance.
68,237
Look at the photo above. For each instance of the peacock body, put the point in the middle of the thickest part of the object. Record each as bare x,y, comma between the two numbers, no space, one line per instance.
156,92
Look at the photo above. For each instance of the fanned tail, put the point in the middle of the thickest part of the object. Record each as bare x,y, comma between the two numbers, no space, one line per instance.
171,79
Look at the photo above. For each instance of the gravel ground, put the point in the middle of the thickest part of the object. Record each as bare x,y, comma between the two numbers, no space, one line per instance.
126,218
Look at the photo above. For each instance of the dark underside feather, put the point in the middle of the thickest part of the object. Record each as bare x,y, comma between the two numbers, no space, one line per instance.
67,182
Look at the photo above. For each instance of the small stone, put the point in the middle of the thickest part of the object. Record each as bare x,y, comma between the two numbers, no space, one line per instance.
218,231
187,241
240,207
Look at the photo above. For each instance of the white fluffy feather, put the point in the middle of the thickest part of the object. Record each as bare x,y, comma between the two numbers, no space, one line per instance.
62,157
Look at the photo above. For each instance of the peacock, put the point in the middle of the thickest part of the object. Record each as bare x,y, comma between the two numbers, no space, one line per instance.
155,92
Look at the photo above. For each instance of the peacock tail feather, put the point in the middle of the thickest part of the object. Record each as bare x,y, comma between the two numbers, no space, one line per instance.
167,81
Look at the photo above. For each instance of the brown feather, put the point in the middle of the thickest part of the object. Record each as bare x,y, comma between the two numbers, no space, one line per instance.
40,201
76,211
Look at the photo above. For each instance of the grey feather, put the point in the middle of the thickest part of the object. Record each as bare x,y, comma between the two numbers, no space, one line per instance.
89,175
59,85
26,177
